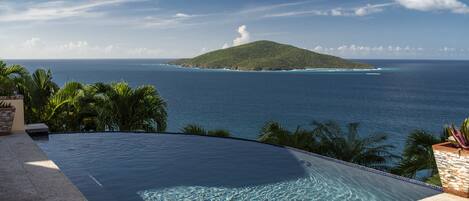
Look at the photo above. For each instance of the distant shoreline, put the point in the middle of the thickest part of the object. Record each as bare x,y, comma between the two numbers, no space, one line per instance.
171,59
293,70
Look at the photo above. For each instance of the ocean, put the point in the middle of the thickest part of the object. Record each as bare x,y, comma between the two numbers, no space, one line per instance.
402,96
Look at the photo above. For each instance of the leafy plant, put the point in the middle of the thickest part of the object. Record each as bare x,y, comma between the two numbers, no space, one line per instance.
330,139
418,157
194,129
348,145
37,95
11,78
123,108
434,180
460,137
273,133
199,130
84,107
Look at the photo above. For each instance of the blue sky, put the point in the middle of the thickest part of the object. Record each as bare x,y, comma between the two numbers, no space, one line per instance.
394,29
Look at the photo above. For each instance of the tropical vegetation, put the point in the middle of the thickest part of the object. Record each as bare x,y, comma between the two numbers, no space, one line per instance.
418,157
84,107
330,139
460,137
11,78
267,55
195,129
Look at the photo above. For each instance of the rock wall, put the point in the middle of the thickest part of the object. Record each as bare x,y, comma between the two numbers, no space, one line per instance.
453,167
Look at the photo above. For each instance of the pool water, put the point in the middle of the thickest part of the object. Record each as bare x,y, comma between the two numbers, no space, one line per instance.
150,167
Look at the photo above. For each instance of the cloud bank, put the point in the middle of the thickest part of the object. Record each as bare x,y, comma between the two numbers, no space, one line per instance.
392,51
339,11
454,6
55,10
38,48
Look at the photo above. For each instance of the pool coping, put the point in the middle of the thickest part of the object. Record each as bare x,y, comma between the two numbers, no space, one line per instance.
352,165
28,174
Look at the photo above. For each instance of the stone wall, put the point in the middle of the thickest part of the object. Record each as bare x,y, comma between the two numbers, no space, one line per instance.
453,167
17,102
6,119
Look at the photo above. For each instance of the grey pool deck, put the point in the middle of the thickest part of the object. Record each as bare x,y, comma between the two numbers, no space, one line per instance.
26,174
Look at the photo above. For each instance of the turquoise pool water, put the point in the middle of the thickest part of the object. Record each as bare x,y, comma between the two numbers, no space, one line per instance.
150,167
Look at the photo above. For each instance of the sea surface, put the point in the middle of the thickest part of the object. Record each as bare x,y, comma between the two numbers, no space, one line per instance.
403,95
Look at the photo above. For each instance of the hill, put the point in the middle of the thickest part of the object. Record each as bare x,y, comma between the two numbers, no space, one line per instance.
267,55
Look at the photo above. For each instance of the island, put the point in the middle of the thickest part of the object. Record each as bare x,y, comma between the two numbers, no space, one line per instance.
267,56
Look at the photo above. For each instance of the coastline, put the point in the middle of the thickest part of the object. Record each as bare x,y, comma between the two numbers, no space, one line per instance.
275,71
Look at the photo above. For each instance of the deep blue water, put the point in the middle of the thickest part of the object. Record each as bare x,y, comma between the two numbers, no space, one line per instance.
403,96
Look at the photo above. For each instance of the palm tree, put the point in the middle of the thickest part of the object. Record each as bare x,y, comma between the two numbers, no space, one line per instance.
125,109
418,155
274,133
351,147
11,78
330,140
40,88
194,129
71,107
199,130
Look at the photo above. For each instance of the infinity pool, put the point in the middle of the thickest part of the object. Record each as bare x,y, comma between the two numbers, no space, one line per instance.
151,167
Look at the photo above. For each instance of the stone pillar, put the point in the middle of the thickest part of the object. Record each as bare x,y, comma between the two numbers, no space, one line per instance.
17,102
453,167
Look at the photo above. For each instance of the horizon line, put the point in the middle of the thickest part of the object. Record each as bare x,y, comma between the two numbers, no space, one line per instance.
128,58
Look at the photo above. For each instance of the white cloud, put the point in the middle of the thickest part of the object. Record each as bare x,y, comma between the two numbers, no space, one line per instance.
203,50
156,22
297,13
364,51
139,52
176,20
182,15
37,48
31,43
447,49
393,51
370,9
318,48
272,7
337,12
55,10
354,11
454,6
75,45
244,36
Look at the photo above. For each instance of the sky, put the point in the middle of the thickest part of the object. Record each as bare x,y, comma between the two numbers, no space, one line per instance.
360,29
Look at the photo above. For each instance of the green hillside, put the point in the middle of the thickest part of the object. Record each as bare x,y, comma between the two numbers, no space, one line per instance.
266,55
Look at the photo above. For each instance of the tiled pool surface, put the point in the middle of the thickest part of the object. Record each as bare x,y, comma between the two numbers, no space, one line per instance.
129,166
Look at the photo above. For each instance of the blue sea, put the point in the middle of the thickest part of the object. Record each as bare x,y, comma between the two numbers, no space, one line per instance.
402,96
